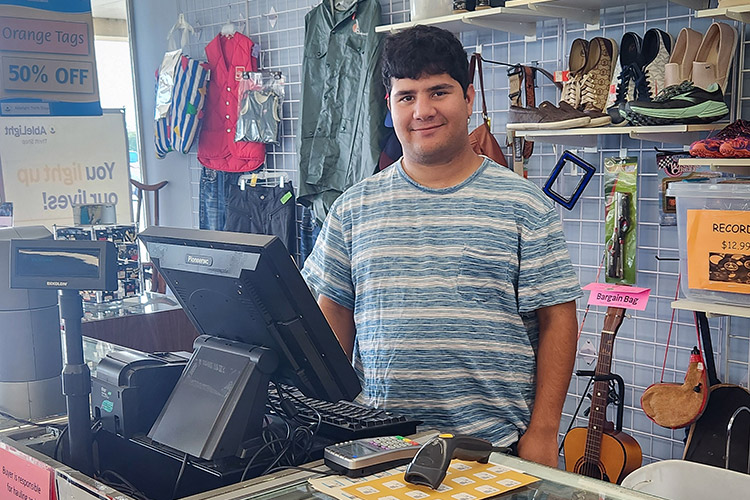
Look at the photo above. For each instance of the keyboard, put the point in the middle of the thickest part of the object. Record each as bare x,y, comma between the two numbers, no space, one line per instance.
344,420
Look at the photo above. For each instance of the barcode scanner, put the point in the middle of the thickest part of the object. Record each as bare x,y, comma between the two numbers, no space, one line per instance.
430,464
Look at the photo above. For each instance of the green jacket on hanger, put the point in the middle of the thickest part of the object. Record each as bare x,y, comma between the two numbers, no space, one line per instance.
343,101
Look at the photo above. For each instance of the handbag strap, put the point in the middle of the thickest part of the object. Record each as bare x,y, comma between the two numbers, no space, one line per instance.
476,62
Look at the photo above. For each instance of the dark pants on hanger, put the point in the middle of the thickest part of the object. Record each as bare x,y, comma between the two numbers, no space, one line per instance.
263,210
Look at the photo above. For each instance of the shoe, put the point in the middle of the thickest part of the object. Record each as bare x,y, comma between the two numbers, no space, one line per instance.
710,147
597,119
714,56
597,76
571,91
483,4
657,45
737,147
545,116
680,65
630,83
684,103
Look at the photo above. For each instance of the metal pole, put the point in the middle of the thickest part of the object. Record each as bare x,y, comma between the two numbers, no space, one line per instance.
76,384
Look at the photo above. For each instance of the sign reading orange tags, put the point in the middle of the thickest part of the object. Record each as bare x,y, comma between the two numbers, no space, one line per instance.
627,297
718,250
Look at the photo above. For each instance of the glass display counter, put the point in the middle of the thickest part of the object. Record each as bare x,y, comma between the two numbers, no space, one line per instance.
553,485
150,322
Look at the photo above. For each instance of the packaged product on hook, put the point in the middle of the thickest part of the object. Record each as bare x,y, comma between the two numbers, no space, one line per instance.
620,190
259,113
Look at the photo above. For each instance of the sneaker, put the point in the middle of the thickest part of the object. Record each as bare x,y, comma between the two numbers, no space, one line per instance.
737,147
630,82
546,116
657,45
710,147
680,65
571,91
684,103
597,75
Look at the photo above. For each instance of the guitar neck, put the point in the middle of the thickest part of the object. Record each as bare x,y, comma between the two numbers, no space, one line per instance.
598,412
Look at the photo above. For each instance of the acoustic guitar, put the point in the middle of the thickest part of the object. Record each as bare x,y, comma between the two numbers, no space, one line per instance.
599,451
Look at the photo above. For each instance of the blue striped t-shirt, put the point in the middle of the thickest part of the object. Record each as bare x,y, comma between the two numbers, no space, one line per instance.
443,284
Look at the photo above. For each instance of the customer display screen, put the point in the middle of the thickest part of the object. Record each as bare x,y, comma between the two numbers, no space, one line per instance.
63,264
78,263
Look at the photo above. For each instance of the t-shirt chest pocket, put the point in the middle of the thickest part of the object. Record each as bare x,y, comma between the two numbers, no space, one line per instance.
485,276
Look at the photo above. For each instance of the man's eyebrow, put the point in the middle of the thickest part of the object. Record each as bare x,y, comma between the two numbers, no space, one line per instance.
441,86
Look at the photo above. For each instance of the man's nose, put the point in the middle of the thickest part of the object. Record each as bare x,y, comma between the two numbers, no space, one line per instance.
423,108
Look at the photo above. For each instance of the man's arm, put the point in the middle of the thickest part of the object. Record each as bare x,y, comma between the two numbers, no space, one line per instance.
555,359
341,320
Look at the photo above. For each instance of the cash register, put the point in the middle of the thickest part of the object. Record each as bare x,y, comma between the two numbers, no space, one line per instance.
262,334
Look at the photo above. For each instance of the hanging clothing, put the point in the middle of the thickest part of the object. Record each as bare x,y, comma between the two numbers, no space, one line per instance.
259,117
263,210
217,149
343,101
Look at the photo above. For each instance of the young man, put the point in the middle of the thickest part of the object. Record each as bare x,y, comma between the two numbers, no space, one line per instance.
446,277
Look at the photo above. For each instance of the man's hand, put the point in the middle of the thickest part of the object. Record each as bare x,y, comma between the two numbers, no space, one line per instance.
539,447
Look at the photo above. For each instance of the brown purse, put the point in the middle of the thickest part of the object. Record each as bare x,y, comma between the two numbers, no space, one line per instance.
481,139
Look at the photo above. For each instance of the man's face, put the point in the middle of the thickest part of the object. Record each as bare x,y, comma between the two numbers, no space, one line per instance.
430,117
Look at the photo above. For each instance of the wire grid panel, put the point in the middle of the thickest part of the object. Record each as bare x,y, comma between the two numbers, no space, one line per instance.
641,344
277,27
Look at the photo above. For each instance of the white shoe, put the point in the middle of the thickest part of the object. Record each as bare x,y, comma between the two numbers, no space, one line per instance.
657,45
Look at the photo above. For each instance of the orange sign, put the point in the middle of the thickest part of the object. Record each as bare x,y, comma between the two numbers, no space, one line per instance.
23,477
718,250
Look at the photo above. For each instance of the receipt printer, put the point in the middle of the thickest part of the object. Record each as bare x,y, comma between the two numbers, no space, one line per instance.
129,389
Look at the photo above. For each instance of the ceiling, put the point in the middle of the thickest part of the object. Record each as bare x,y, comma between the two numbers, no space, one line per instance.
111,9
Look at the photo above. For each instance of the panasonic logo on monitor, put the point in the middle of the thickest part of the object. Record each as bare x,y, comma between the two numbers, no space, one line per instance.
199,260
57,284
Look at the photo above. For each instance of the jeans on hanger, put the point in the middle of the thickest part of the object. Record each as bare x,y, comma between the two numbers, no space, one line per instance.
263,210
214,186
308,234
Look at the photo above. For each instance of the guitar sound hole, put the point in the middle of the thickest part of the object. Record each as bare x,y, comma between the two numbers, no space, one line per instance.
592,469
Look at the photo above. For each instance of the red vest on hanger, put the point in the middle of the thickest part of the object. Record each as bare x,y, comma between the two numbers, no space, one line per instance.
227,56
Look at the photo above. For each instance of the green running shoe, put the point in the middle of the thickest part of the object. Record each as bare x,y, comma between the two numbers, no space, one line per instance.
678,104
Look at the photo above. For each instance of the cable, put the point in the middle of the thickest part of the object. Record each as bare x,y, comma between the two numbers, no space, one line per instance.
252,459
121,484
58,441
179,476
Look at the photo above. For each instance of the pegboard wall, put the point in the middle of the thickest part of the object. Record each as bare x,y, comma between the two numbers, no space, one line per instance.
278,27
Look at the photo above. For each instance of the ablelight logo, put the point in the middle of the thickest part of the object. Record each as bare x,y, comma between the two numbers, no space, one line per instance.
30,130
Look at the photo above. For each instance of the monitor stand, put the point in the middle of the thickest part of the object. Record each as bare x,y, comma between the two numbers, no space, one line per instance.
76,384
230,380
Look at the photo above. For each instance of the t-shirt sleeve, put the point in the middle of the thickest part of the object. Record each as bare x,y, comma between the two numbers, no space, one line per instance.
546,276
327,270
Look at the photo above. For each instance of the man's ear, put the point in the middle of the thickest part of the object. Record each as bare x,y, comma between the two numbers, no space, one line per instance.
470,94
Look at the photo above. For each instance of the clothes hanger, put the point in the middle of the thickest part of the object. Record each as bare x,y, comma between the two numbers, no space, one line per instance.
267,178
228,30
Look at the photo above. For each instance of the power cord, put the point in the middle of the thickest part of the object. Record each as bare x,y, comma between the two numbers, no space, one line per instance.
185,461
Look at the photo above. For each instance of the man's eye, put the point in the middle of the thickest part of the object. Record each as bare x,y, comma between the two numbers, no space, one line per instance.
406,98
440,93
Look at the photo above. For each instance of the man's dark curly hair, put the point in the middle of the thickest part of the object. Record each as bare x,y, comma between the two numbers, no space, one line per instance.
424,50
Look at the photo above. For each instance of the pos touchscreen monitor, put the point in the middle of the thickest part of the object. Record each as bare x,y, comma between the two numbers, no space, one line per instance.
242,289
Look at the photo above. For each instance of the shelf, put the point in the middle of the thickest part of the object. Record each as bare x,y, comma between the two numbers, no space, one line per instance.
519,21
586,11
588,136
711,309
737,13
731,165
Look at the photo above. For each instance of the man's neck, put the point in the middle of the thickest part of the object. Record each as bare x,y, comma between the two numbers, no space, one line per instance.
443,175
